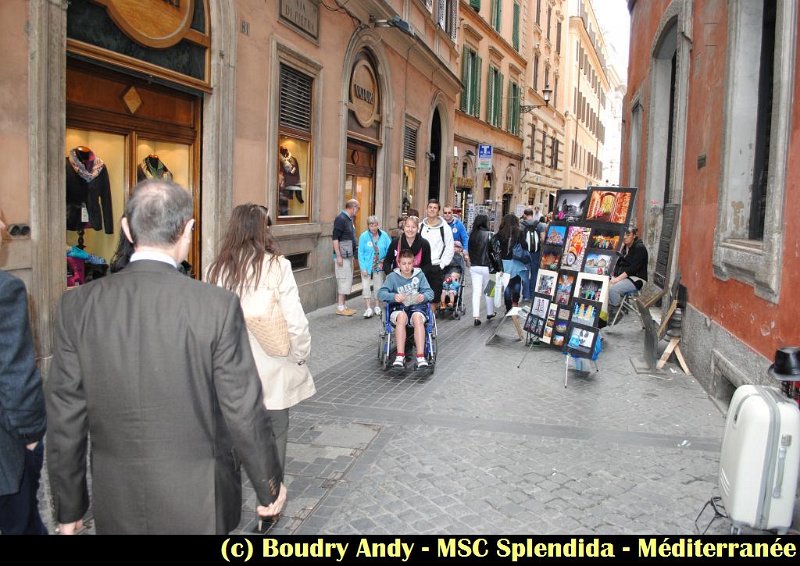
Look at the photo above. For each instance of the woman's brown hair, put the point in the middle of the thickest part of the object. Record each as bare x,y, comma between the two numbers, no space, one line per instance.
246,242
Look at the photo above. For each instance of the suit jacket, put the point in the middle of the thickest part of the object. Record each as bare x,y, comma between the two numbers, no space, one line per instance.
97,196
22,416
157,368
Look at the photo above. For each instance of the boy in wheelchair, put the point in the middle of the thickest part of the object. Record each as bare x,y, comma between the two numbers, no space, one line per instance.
407,292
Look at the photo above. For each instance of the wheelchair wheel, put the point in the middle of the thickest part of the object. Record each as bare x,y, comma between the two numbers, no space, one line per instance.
385,350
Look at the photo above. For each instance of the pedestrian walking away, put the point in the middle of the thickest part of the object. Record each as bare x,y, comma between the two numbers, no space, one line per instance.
22,413
152,373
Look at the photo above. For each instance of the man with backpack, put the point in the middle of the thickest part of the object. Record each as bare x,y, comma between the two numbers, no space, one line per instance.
533,237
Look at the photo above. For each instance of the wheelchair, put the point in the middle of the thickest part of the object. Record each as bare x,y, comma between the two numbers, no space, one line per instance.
387,350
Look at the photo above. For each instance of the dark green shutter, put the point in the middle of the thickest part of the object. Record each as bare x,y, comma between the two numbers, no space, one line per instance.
515,30
465,63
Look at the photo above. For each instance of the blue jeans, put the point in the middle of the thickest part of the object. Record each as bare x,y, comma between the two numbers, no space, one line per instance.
19,512
618,289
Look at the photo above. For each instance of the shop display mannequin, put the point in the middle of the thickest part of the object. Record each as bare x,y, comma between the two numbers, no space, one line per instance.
152,167
88,192
290,180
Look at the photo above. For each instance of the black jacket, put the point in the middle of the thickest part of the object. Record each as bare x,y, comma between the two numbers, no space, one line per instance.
633,261
479,248
97,196
419,243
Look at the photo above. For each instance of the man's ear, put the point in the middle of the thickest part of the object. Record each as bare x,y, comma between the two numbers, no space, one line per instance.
126,229
188,229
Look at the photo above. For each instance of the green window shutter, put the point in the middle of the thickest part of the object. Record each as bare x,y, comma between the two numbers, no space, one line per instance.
476,86
499,118
515,31
475,4
490,95
465,63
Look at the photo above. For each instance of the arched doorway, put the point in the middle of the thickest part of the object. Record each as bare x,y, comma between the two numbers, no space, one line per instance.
435,156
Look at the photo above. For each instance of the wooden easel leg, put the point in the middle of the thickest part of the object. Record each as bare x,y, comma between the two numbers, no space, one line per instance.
681,361
518,327
665,356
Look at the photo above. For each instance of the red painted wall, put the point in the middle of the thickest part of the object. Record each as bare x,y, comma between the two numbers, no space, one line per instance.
761,324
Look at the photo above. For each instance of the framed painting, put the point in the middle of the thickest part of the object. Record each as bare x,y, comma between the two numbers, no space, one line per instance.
581,340
535,325
540,305
600,262
549,323
570,205
613,205
565,286
555,235
575,247
557,340
551,257
606,239
586,312
546,282
592,287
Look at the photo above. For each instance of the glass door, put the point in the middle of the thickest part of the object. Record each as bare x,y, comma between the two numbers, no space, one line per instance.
360,184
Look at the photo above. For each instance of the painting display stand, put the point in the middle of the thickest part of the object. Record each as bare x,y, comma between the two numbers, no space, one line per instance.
514,314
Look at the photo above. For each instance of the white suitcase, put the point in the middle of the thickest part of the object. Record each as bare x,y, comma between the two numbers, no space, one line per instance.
760,458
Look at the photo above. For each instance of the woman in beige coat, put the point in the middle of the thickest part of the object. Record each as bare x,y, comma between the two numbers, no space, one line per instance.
249,264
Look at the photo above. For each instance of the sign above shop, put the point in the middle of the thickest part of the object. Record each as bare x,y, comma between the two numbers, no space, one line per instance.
364,94
485,152
302,14
152,23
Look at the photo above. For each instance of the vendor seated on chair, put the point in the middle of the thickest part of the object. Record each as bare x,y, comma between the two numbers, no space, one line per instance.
630,272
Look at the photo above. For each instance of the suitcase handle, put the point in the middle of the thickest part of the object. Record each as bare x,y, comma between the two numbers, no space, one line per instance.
786,441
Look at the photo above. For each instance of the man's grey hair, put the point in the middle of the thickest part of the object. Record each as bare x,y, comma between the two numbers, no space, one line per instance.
157,213
374,220
352,203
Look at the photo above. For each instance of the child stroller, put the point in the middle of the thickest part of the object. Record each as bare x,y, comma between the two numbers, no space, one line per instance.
456,308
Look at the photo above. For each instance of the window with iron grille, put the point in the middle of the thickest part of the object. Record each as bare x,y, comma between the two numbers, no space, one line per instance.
410,144
295,99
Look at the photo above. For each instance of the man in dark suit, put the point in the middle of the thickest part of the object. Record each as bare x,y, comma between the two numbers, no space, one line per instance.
22,416
157,368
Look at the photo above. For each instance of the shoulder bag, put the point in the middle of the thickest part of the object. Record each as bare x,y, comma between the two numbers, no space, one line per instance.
270,328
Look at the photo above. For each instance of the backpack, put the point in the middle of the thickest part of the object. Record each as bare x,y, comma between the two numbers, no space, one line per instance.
532,238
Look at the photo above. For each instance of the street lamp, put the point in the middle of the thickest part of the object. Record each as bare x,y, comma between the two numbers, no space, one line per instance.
546,92
393,22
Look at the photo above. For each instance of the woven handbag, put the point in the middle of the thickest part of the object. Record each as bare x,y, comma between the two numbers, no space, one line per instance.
270,329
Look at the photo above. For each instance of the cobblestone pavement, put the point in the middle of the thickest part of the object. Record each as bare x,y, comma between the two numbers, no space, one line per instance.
484,447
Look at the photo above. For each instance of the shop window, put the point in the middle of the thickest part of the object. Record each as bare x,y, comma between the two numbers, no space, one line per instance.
756,138
409,168
294,144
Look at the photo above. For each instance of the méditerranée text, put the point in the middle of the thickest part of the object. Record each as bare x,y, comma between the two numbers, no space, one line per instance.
243,549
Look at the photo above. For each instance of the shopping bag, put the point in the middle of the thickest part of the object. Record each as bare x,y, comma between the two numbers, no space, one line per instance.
488,290
499,286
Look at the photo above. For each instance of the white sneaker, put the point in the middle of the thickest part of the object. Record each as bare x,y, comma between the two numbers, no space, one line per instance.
378,311
422,363
399,362
368,313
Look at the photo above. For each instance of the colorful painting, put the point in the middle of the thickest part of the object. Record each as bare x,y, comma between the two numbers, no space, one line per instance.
599,263
535,325
570,205
549,323
586,312
551,256
605,239
557,340
564,287
546,282
609,204
575,248
581,341
555,235
592,287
